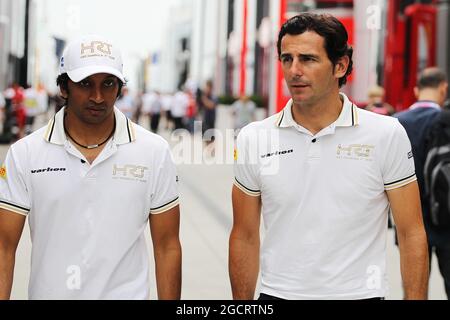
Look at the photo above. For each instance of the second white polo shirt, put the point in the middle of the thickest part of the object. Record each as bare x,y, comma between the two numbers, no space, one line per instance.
324,204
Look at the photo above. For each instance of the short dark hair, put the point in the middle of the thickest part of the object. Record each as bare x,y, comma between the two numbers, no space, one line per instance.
63,79
431,78
327,26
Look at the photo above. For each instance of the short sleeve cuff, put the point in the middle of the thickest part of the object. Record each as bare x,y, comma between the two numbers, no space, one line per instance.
13,207
400,183
247,191
166,207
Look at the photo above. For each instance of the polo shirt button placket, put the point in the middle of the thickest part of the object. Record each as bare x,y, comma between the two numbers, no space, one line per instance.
91,175
83,169
314,150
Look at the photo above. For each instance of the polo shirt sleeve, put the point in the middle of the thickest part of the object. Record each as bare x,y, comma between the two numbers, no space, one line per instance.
165,192
246,165
398,167
14,194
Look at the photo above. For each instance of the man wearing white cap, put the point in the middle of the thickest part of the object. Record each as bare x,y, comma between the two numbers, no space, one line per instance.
89,181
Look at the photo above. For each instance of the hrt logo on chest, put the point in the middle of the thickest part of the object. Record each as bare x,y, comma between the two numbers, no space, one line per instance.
355,152
129,171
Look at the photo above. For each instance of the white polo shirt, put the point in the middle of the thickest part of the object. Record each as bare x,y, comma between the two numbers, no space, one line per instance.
324,204
87,221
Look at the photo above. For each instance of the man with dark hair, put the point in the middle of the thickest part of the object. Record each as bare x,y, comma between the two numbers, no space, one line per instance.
89,182
324,174
208,104
330,29
432,78
431,92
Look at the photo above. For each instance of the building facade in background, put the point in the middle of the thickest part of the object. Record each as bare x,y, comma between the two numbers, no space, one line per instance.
170,67
17,41
233,42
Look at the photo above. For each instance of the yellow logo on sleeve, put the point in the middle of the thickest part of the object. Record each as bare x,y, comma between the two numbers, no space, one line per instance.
3,172
235,154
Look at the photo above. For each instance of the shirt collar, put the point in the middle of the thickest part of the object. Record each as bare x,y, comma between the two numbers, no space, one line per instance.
425,104
124,129
347,118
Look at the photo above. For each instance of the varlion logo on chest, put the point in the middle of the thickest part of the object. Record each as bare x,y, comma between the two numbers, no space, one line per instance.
277,153
48,170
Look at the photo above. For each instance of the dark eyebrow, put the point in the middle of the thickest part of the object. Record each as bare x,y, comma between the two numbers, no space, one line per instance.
284,55
111,78
306,55
301,56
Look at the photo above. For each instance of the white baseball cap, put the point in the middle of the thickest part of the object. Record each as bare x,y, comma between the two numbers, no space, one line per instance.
89,55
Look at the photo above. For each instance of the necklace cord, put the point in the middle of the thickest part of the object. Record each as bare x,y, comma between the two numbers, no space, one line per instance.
93,146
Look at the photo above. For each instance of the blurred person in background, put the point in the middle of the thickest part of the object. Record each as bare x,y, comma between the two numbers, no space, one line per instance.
243,112
418,121
191,112
180,105
43,100
125,103
155,111
167,101
376,102
138,102
8,115
32,107
19,111
207,103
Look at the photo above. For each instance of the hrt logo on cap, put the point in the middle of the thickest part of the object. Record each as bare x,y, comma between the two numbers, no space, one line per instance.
95,48
91,54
